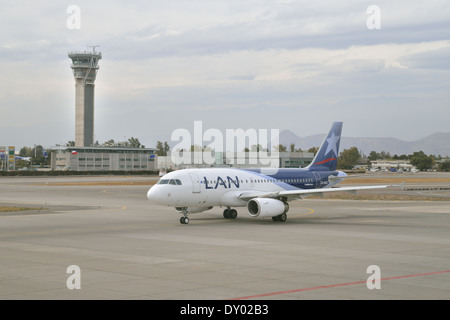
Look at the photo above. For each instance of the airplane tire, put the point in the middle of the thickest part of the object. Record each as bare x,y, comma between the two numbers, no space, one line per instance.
230,214
280,218
184,220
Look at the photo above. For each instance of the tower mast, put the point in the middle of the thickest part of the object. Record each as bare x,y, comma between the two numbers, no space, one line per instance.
84,66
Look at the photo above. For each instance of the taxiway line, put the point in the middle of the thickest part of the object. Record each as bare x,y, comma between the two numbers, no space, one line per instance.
337,285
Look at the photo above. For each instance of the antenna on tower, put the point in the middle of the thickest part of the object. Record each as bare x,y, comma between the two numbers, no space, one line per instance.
93,48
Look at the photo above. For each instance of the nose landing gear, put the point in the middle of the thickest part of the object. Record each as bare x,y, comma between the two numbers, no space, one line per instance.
184,219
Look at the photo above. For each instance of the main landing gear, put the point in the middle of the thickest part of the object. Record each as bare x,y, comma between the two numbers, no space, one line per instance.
229,213
282,217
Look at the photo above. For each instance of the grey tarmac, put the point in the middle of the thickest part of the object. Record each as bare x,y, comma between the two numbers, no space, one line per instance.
128,248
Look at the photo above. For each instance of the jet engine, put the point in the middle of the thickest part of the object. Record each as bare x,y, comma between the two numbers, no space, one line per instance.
266,207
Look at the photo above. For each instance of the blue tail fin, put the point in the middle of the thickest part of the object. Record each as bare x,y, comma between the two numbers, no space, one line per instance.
326,157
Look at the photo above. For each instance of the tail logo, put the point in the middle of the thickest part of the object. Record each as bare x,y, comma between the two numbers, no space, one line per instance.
332,144
326,157
325,161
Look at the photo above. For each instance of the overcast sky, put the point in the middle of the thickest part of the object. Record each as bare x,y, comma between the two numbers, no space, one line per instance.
297,65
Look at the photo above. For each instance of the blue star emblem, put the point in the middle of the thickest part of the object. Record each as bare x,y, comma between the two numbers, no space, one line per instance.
332,144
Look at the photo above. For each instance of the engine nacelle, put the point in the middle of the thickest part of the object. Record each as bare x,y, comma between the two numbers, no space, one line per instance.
193,209
266,207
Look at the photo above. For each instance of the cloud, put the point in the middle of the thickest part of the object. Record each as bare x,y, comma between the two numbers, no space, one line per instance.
297,65
438,59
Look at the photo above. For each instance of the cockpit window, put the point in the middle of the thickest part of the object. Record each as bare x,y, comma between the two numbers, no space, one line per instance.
170,181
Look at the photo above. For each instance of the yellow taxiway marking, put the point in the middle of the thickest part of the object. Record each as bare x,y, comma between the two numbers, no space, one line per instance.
311,211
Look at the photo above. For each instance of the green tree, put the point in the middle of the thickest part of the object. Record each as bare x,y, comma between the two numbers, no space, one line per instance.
373,156
421,161
280,148
25,152
444,166
196,148
349,158
162,148
313,150
109,143
38,157
135,143
255,148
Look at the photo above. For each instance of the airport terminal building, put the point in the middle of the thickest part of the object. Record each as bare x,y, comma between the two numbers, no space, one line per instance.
103,159
237,160
146,159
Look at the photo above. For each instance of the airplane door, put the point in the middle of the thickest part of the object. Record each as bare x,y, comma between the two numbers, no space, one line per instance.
195,183
252,183
317,179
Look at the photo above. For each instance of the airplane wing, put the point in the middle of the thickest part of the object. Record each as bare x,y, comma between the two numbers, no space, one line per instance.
298,194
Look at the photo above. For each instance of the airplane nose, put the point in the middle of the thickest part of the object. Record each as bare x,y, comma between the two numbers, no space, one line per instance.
151,194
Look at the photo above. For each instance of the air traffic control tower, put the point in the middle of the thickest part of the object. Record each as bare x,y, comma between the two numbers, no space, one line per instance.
85,67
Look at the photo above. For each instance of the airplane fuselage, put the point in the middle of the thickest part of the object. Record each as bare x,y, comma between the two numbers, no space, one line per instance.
223,186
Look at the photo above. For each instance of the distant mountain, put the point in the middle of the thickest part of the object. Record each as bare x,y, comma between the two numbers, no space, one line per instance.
436,144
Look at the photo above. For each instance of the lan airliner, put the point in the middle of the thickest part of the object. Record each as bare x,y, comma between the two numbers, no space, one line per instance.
264,195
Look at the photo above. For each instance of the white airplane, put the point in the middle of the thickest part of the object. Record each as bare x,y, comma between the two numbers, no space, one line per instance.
264,194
